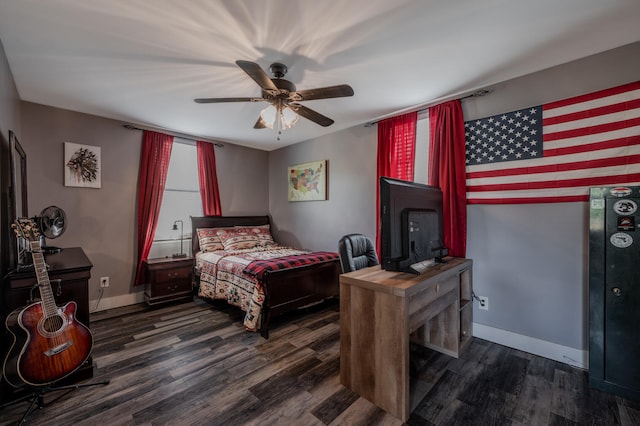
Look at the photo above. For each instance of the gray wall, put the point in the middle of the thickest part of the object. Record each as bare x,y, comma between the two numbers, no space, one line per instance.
103,221
530,260
351,190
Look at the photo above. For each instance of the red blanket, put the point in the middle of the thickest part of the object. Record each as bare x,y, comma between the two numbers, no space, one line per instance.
258,268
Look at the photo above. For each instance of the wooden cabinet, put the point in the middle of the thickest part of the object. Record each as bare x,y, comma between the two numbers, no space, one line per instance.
381,312
168,280
69,272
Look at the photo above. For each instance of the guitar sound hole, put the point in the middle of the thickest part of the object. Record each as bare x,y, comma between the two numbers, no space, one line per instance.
53,324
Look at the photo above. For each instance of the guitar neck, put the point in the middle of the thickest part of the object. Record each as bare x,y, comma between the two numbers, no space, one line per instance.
44,285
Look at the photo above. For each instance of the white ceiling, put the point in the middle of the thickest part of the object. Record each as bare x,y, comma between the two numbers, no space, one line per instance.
144,62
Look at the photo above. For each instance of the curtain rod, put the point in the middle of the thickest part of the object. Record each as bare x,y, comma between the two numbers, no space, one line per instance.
476,94
174,134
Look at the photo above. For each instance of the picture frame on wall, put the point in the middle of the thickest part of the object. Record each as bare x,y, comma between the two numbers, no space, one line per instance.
82,165
308,181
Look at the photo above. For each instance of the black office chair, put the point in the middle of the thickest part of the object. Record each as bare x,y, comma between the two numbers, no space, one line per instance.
356,252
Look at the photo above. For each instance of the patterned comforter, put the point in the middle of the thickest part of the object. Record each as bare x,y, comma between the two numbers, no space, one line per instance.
223,276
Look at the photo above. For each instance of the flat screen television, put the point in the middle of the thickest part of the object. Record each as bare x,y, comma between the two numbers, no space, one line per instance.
411,225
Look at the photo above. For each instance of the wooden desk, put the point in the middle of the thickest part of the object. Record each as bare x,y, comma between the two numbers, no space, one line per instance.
382,311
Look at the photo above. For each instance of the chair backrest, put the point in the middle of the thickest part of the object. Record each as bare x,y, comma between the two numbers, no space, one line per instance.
356,252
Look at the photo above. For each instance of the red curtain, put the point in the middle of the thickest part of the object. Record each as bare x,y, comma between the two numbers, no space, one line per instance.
154,163
447,170
208,179
396,155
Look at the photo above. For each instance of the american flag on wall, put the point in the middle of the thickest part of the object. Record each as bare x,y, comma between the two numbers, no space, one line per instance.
555,152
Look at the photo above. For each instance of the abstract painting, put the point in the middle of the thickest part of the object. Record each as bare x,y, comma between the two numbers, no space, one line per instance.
82,165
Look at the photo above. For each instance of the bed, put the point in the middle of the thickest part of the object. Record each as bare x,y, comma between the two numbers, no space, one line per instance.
264,281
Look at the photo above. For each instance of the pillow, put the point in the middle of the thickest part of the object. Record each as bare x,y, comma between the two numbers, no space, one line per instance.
263,233
238,238
208,239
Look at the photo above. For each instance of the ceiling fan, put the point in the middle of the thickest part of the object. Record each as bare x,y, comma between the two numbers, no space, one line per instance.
283,97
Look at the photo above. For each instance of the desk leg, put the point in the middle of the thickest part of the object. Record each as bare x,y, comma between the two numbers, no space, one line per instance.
374,348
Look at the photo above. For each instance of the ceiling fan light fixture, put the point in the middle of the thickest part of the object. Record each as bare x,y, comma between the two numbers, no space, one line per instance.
288,117
268,116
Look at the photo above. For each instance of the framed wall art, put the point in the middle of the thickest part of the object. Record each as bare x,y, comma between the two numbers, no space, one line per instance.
82,165
308,181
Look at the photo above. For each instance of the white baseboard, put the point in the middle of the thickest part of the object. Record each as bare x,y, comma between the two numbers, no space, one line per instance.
572,356
116,301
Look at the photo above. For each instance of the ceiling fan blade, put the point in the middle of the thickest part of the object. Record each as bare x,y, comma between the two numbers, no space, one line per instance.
312,115
220,100
340,91
257,74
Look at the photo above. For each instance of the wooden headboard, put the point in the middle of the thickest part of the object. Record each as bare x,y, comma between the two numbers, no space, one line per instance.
221,222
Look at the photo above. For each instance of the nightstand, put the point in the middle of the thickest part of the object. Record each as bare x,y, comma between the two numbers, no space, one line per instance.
168,279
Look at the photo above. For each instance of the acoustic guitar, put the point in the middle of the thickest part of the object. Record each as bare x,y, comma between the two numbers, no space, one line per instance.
49,343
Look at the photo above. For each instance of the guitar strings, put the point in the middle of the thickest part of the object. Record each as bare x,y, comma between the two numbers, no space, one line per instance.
52,320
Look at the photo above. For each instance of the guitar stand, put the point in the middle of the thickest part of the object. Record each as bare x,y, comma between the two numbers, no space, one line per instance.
37,397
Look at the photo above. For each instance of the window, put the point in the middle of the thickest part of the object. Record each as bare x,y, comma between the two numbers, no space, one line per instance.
421,166
180,201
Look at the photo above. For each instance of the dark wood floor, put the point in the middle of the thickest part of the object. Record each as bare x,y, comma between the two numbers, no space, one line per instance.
193,363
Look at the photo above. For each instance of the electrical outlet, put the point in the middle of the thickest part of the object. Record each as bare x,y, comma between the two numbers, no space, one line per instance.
104,282
484,303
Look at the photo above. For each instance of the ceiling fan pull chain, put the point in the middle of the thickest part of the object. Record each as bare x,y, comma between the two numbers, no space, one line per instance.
279,118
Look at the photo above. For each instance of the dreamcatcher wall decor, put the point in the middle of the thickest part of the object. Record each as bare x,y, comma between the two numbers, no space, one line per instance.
82,165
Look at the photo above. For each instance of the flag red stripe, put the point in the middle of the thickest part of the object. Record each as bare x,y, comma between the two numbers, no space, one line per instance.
566,183
562,167
594,112
595,95
590,130
597,146
565,199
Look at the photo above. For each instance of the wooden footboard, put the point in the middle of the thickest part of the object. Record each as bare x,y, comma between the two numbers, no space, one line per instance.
293,288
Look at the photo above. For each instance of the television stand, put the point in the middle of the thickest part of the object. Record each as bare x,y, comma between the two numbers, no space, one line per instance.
381,312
